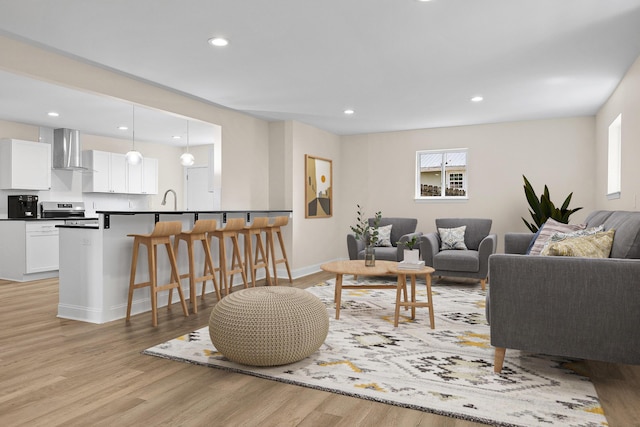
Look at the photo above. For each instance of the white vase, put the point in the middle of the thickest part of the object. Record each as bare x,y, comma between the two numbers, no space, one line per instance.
411,255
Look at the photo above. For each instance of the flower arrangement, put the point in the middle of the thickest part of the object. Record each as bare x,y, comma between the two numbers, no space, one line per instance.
364,231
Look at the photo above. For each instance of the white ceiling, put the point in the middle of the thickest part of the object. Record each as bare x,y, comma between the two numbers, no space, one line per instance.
400,64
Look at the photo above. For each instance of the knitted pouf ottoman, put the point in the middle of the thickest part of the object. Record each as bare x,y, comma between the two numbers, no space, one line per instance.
268,326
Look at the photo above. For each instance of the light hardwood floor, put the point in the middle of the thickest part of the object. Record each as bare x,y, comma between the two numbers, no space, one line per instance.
61,372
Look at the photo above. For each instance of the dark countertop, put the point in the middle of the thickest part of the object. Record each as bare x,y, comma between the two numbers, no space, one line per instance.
248,213
189,212
49,219
84,226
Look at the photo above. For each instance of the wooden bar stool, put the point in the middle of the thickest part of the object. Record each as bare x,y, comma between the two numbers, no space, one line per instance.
198,234
161,235
259,260
275,228
234,225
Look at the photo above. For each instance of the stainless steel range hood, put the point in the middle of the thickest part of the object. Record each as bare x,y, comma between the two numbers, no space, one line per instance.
67,152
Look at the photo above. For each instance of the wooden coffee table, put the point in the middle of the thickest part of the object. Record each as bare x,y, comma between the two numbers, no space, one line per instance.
357,268
402,284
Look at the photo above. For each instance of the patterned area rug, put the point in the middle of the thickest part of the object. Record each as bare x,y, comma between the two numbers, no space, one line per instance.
447,370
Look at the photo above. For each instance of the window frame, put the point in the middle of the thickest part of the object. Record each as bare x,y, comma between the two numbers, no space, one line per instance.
614,159
444,174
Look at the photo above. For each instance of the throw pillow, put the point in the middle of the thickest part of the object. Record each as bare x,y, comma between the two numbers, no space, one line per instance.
384,235
561,236
533,240
452,238
597,245
548,229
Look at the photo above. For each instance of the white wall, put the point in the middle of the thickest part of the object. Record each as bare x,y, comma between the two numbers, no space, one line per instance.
317,240
378,171
626,101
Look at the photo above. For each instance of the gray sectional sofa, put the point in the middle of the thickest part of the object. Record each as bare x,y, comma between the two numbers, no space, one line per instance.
587,308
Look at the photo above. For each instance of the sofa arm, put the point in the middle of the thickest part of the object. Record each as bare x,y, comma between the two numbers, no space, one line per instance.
405,238
354,246
429,247
487,246
575,307
517,243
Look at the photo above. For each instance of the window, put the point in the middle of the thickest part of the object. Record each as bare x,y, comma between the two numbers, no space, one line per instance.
441,174
614,159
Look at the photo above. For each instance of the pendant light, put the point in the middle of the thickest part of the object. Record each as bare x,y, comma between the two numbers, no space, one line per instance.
133,157
187,159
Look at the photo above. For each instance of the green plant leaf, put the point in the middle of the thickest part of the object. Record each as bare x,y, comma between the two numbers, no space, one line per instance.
543,208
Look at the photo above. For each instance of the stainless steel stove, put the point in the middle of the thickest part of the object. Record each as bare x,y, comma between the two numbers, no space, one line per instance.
72,213
62,210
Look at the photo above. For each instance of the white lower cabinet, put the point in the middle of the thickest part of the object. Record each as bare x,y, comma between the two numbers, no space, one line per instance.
30,249
41,246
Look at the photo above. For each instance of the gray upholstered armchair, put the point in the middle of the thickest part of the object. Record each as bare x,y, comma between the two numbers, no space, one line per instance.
402,230
472,262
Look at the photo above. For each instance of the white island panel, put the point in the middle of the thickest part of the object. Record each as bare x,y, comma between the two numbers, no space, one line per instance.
95,264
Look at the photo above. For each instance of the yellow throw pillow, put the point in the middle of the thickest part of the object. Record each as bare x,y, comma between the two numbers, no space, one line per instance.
593,246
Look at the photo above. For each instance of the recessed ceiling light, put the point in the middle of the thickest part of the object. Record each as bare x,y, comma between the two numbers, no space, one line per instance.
349,111
52,114
218,41
123,128
477,99
176,137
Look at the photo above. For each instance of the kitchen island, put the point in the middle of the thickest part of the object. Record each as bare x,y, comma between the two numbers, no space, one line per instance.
95,262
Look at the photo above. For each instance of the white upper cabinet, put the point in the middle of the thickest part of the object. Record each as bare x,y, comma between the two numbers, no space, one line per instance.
111,173
149,175
118,173
134,178
25,165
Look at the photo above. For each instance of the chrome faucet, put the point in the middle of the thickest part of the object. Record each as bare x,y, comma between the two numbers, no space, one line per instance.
175,199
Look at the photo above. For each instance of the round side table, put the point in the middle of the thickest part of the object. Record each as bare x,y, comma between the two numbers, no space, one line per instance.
402,285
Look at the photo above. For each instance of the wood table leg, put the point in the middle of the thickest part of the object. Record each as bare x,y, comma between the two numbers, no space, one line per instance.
402,285
338,294
413,296
432,321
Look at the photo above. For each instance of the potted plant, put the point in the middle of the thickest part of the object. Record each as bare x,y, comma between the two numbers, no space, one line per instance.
367,234
542,208
410,255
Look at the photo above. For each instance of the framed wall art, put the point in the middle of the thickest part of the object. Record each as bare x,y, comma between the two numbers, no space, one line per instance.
319,187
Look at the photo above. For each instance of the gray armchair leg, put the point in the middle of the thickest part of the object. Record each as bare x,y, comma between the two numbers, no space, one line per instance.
499,359
483,283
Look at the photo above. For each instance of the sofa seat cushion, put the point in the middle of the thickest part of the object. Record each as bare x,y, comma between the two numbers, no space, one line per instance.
457,260
383,253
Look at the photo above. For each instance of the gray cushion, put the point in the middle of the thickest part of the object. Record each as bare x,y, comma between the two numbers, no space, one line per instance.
597,218
457,261
626,242
401,226
477,229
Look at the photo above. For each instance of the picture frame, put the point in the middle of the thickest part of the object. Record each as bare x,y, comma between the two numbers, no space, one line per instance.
318,174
